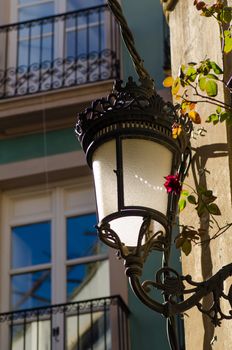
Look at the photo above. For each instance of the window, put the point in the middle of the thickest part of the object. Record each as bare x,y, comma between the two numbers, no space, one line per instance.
51,248
58,43
35,41
31,248
40,41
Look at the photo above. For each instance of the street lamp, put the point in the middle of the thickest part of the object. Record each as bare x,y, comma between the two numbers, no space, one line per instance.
127,138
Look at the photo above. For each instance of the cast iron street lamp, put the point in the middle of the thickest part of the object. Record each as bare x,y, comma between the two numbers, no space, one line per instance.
127,138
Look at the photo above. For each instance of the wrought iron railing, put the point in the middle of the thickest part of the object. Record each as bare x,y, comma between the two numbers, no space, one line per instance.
97,324
59,51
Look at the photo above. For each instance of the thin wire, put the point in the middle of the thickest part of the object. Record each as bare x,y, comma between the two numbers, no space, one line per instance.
45,146
129,40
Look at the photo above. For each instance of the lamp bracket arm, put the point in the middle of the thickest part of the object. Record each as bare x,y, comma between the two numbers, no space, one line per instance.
139,291
172,286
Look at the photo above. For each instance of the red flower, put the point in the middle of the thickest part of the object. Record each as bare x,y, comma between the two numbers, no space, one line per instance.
173,184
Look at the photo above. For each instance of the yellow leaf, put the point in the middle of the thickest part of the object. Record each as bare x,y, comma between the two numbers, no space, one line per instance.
192,105
195,117
176,86
168,82
176,130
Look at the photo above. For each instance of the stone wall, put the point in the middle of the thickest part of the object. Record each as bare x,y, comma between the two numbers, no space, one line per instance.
193,38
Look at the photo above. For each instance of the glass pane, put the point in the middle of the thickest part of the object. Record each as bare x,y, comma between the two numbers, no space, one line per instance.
36,11
31,290
104,164
85,281
82,237
36,335
96,38
73,5
47,53
31,244
23,53
82,42
29,2
144,180
34,51
92,333
77,41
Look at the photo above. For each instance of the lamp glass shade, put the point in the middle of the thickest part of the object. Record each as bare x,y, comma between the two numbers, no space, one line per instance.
105,179
145,163
128,227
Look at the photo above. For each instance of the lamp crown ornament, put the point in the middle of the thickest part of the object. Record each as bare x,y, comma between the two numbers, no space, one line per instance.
136,103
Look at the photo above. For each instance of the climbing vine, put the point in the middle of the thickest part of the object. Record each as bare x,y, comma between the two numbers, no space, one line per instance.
195,84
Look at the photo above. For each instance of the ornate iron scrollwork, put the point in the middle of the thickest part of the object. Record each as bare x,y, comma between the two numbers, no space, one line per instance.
59,73
169,282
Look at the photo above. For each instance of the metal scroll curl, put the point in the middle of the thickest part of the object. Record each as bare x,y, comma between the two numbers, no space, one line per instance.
168,281
175,286
146,241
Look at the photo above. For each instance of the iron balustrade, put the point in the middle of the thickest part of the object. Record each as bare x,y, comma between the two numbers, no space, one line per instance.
97,324
59,51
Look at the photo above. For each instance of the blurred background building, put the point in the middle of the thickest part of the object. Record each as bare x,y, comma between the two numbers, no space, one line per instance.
58,285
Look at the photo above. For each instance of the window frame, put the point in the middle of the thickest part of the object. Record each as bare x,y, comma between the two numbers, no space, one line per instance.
59,261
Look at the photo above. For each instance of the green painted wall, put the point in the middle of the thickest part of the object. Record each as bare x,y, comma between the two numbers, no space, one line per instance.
145,20
147,328
38,145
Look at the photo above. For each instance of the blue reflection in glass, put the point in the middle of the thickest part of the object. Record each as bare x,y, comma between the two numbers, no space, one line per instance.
31,244
81,236
78,277
36,11
73,5
31,290
77,44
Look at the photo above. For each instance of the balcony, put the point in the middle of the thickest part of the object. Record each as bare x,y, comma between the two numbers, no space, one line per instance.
97,324
58,52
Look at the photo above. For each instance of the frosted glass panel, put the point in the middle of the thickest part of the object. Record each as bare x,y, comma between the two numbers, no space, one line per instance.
145,163
104,164
127,228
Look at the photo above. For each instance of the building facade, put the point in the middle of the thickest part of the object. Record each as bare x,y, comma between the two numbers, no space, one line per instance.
193,39
58,283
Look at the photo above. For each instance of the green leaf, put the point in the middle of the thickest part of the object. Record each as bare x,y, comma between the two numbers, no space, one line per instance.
211,88
208,193
192,199
216,68
179,242
191,74
228,41
226,15
229,121
184,193
202,83
218,110
213,209
213,118
212,76
224,116
182,204
208,197
186,247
